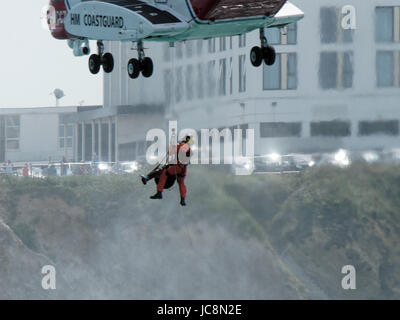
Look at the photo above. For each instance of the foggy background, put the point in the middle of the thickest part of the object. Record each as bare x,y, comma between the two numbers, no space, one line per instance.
34,63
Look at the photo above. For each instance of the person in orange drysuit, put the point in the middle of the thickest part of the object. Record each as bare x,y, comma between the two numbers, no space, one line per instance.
181,155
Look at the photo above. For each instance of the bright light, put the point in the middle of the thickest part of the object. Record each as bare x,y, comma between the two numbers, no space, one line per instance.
342,158
311,164
370,157
134,166
341,155
275,157
103,166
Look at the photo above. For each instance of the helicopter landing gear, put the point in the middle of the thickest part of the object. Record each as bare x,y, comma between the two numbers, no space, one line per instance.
142,65
105,60
264,53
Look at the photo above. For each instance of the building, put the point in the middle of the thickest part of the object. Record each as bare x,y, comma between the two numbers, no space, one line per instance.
101,130
330,87
36,134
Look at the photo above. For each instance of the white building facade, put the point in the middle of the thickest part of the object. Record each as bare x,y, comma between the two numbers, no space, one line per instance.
36,134
330,87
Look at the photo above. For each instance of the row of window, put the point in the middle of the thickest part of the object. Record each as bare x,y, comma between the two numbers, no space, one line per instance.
335,128
275,36
387,29
13,132
387,25
336,71
216,77
96,138
188,48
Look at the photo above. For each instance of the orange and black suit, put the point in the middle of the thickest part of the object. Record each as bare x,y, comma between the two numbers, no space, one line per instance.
179,169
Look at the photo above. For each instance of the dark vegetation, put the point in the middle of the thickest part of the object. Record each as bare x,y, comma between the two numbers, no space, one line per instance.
261,237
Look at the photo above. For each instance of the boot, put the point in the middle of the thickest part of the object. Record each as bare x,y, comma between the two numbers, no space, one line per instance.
144,179
158,195
183,202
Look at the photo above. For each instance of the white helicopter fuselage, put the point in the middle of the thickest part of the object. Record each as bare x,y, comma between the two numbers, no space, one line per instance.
79,21
172,20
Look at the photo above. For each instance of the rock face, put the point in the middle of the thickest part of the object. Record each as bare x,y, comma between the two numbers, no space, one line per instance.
20,268
132,254
239,238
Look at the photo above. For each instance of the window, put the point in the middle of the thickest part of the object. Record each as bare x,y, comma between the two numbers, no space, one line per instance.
211,45
280,129
178,85
168,83
189,49
211,79
243,127
272,75
334,128
242,41
387,24
96,138
368,128
286,35
179,50
384,69
336,70
242,73
222,44
199,47
12,132
331,26
65,135
283,74
200,81
189,83
273,35
222,78
291,33
231,75
167,52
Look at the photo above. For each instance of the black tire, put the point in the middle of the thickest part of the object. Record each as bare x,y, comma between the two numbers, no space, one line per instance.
256,56
108,62
85,50
94,63
134,68
269,55
147,67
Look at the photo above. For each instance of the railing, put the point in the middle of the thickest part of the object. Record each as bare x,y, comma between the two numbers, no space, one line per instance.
41,170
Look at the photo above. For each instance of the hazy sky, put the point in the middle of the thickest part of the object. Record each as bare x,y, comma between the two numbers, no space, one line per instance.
33,64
